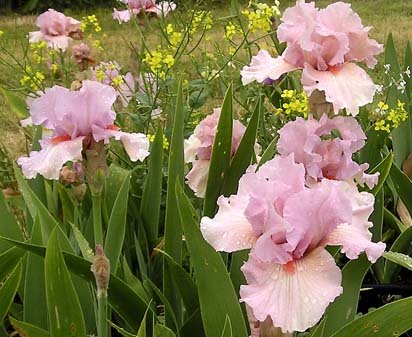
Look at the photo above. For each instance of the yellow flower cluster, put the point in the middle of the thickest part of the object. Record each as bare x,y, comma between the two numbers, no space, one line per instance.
231,30
90,22
295,104
389,119
201,19
165,141
109,72
37,49
174,37
261,15
159,61
32,79
1,33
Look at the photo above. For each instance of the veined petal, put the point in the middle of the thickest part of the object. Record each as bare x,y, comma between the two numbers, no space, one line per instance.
264,66
294,296
135,144
51,158
197,177
229,230
349,87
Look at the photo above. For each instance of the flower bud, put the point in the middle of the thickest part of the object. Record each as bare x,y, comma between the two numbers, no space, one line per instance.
67,176
318,104
76,85
81,55
96,169
101,271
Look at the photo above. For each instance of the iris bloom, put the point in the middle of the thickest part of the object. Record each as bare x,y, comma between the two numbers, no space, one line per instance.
291,277
324,43
326,147
198,150
75,120
55,28
135,7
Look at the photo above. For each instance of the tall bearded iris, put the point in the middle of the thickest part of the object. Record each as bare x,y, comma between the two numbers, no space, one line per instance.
56,29
136,7
76,120
324,43
291,277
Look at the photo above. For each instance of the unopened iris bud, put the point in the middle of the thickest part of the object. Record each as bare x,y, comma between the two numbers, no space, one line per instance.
101,271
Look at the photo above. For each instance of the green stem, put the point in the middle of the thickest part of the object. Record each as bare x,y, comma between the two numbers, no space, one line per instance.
102,315
97,220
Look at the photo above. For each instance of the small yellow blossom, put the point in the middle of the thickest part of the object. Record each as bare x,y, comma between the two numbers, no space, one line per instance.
54,68
165,141
117,81
260,15
1,33
294,104
387,118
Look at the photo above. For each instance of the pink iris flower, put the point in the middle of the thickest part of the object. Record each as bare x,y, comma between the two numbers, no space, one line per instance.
291,277
55,28
198,150
323,43
135,7
75,119
326,148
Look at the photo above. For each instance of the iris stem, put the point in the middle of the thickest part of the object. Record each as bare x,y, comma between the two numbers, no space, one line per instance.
97,220
102,330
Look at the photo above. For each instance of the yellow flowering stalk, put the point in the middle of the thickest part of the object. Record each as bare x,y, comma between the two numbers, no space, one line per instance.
159,61
173,36
294,104
231,30
90,22
387,118
260,15
201,19
32,79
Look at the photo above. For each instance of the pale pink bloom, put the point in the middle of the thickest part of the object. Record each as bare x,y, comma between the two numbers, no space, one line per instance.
198,150
55,29
75,118
291,277
322,43
136,7
323,153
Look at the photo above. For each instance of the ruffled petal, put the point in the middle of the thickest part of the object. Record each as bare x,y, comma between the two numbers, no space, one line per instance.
350,87
136,144
354,237
229,230
197,177
314,213
264,66
296,295
121,16
164,8
51,158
